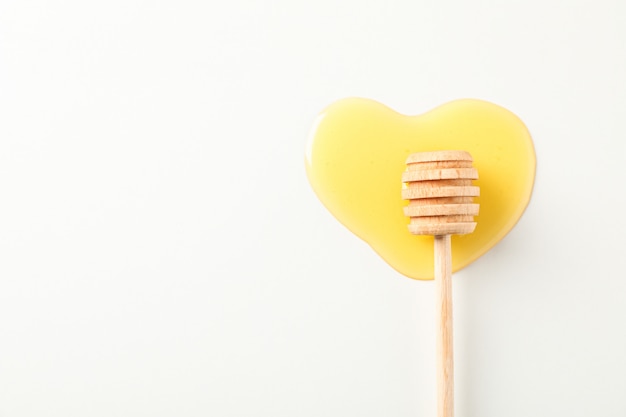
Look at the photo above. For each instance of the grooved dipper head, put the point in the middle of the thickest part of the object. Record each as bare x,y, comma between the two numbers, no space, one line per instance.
440,193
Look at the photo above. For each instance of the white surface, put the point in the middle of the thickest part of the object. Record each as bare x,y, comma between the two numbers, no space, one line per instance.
161,252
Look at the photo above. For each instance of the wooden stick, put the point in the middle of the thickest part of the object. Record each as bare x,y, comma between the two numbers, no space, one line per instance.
443,305
440,193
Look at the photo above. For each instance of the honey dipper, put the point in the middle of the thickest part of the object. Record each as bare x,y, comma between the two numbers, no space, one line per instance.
440,193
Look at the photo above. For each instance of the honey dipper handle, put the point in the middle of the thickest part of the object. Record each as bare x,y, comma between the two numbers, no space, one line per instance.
443,304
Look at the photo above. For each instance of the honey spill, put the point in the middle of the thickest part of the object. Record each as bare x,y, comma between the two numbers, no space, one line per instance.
355,159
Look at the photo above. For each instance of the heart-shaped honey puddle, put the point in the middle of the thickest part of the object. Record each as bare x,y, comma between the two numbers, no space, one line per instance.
357,153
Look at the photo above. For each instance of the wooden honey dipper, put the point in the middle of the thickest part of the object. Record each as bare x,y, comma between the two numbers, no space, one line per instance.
440,193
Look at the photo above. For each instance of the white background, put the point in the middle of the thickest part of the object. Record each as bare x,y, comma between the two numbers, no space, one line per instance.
161,252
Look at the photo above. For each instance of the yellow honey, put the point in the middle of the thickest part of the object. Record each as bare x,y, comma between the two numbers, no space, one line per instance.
356,156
